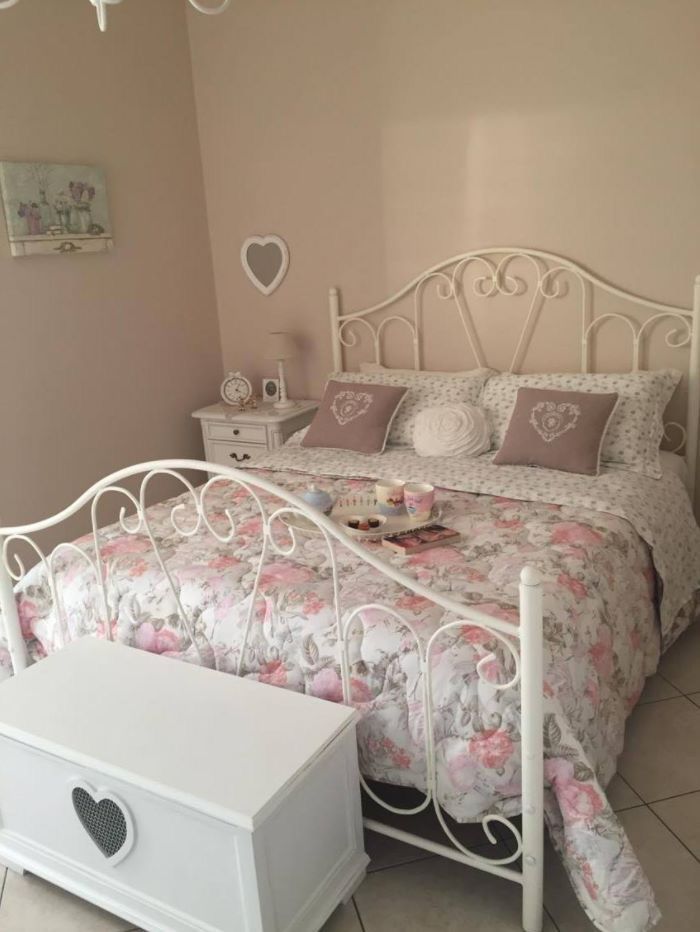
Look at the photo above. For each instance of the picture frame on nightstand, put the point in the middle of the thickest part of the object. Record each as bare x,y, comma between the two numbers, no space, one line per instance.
270,390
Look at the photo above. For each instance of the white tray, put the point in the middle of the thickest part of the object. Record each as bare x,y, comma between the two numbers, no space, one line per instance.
363,505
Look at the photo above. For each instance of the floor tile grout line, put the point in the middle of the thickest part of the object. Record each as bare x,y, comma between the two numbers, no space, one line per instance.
664,799
390,867
551,919
638,805
358,914
678,839
679,695
2,885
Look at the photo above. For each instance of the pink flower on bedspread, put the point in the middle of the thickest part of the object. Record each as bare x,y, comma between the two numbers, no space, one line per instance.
223,562
359,691
327,685
125,544
503,612
413,603
575,586
491,748
461,771
579,802
312,605
570,532
250,528
284,573
508,524
399,757
602,653
589,882
28,614
157,642
137,568
475,635
440,556
113,629
274,673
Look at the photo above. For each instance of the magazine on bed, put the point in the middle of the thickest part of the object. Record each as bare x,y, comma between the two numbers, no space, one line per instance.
434,535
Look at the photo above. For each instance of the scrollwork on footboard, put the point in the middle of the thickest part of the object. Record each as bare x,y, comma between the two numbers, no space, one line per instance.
514,650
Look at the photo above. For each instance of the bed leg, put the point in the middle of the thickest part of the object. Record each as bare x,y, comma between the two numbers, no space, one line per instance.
10,617
532,722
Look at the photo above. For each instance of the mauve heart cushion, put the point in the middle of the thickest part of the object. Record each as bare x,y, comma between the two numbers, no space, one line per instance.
355,416
557,430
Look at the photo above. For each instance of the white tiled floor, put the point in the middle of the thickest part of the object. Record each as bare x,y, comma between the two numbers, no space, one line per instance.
657,794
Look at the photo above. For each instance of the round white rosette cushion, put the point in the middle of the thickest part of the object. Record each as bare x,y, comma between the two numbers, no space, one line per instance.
451,430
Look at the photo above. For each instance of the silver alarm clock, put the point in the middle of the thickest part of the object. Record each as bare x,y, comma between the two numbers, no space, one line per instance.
237,391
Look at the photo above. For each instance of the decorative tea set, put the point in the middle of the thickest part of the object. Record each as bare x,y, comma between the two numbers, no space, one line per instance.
394,508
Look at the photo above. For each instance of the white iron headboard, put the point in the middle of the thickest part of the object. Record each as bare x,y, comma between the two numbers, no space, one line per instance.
550,282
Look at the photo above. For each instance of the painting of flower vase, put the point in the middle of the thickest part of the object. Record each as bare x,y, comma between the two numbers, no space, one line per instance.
54,209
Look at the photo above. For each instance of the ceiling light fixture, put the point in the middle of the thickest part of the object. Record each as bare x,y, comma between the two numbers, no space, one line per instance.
101,8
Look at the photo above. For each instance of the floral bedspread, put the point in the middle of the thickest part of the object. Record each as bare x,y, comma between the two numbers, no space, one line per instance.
602,638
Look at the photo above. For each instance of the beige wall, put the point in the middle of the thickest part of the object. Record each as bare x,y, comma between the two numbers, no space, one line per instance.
103,358
381,137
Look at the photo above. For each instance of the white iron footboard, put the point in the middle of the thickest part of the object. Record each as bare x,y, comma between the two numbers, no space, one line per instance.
192,515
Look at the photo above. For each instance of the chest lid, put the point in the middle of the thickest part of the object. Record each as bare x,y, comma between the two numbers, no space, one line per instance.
214,742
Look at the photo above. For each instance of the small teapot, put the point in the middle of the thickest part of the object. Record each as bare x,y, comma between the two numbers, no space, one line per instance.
317,498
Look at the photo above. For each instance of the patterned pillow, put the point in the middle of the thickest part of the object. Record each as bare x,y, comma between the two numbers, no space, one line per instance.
425,390
636,428
354,417
557,430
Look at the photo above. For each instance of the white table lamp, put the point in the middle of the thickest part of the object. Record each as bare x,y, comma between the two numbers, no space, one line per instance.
280,346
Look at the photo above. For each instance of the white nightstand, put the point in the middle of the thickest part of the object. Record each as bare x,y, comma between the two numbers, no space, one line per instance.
232,437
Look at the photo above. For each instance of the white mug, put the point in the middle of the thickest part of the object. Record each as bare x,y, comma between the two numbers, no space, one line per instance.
389,494
419,498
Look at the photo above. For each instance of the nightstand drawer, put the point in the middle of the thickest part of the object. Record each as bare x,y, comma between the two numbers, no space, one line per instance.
239,433
233,454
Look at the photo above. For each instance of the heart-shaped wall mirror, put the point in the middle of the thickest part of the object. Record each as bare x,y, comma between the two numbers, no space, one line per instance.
265,260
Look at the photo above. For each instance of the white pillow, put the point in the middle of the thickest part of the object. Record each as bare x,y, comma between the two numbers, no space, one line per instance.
636,428
451,430
425,390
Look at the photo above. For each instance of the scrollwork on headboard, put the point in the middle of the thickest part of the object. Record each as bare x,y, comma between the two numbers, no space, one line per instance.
493,272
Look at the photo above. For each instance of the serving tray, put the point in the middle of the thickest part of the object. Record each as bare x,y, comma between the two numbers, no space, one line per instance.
362,506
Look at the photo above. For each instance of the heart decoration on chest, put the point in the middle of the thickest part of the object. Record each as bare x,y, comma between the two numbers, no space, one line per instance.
552,420
265,261
106,820
348,405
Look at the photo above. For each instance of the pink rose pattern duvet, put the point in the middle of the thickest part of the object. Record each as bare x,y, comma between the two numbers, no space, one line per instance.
601,641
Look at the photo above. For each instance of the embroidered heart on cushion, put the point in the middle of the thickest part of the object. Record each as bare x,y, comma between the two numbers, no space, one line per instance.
347,406
552,420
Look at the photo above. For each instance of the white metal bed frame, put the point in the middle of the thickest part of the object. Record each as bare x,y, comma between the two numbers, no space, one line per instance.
550,283
522,644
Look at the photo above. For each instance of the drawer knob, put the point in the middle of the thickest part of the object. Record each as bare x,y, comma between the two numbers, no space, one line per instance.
240,459
236,431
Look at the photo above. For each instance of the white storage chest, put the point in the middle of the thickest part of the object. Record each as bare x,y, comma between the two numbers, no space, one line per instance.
176,797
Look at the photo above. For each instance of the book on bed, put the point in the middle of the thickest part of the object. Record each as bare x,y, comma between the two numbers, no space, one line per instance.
434,535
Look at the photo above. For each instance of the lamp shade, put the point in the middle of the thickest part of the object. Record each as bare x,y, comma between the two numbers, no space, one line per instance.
279,345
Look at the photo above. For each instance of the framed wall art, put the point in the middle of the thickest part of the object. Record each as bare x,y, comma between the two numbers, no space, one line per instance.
54,209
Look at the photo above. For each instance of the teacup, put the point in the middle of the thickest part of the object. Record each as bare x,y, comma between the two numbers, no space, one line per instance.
419,498
389,494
